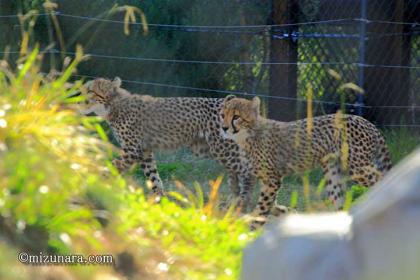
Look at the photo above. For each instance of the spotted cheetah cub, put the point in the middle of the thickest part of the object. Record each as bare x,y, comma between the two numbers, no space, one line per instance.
343,145
143,124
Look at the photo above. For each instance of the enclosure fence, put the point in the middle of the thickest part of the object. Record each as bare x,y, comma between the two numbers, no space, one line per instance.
319,44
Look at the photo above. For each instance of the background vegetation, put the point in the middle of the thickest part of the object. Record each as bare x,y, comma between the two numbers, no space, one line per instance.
55,197
59,192
318,47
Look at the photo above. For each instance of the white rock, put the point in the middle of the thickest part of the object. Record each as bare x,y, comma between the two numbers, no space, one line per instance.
378,239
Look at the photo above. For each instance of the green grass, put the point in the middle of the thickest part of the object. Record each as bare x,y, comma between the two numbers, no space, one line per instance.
401,142
182,165
57,197
59,194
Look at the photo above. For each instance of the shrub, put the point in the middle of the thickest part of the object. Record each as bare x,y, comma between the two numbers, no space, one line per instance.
60,194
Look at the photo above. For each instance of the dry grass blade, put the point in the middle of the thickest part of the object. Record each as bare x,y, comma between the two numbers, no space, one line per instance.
130,16
334,74
190,197
50,8
310,115
212,205
351,86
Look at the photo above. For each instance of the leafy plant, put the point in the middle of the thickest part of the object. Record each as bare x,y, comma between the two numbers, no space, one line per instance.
60,194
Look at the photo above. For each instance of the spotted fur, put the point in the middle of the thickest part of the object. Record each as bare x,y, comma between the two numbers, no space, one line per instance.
143,124
345,146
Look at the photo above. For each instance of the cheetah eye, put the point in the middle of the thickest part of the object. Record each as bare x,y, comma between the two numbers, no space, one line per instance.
96,94
235,117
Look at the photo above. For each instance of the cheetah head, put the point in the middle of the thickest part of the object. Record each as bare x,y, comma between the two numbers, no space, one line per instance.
100,93
239,116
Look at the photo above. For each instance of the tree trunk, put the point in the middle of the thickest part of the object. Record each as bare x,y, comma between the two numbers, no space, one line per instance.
283,77
6,8
387,86
246,70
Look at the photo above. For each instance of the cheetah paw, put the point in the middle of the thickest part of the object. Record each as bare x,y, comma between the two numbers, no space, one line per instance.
280,210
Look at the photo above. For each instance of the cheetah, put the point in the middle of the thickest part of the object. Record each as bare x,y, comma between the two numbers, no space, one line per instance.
142,124
345,146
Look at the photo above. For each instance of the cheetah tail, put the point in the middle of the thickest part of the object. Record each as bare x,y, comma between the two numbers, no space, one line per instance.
383,159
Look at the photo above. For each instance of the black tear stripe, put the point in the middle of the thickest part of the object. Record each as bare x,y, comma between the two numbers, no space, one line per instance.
233,126
96,94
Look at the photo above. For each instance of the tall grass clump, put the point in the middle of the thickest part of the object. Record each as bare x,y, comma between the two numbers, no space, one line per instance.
401,142
59,194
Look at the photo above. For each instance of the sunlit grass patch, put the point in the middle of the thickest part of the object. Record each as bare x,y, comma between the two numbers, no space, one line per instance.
401,142
193,236
60,194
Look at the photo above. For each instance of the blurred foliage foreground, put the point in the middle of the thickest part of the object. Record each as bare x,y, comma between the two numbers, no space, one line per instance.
56,196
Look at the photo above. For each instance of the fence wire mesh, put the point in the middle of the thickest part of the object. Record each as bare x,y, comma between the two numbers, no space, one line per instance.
274,49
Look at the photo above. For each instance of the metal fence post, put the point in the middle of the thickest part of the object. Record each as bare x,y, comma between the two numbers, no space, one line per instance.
362,55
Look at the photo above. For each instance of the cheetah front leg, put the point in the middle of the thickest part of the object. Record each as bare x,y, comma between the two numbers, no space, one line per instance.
127,158
233,183
245,184
335,184
148,164
240,184
242,179
266,200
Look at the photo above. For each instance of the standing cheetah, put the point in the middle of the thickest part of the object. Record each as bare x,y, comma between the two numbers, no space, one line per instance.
141,124
340,144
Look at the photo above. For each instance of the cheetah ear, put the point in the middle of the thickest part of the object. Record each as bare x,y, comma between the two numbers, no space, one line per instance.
229,97
256,102
88,85
116,82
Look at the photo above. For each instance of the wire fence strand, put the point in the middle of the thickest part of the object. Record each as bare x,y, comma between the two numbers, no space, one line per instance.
241,93
58,13
222,91
312,62
164,60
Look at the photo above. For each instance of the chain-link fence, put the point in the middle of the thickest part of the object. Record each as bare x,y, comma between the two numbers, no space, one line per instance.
276,49
373,44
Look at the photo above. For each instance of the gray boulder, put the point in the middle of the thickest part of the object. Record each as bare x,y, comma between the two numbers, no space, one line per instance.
378,239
